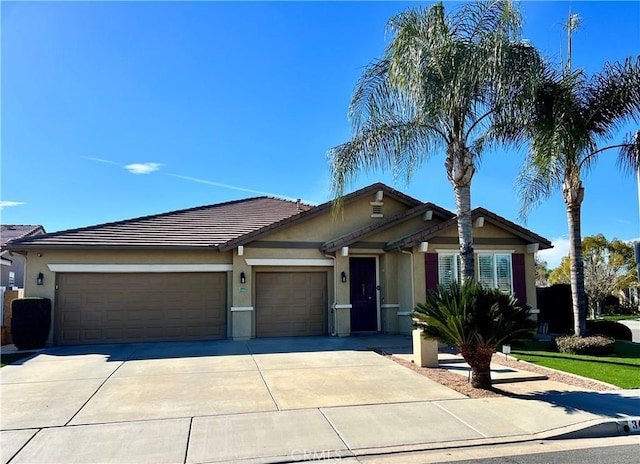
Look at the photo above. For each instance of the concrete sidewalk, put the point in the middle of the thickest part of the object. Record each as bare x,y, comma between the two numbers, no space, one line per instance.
269,400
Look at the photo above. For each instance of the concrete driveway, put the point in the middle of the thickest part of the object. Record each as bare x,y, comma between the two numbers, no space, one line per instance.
178,391
268,399
634,325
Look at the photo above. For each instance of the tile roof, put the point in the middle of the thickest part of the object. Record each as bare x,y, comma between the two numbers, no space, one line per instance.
501,222
15,231
205,226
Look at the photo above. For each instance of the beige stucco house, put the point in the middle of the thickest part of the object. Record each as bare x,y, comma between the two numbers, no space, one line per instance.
265,267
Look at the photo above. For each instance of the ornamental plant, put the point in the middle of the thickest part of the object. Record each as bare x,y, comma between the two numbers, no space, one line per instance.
476,320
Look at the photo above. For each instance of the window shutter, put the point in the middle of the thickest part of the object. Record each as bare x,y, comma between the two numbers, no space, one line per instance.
519,278
448,269
503,273
485,271
445,269
431,270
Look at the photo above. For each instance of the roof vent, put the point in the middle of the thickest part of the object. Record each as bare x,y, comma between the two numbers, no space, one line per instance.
376,209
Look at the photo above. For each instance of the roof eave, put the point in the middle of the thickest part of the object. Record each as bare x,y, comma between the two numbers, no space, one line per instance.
84,247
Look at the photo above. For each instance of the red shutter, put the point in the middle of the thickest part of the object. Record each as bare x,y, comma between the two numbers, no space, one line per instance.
519,278
431,268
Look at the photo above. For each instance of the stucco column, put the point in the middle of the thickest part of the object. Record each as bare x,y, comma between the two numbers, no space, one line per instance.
241,311
342,306
425,352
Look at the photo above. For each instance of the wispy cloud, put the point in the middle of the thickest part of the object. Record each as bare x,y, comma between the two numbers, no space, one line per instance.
8,204
147,168
554,255
142,168
220,184
100,160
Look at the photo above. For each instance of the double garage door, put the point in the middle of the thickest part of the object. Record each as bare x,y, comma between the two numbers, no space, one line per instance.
140,307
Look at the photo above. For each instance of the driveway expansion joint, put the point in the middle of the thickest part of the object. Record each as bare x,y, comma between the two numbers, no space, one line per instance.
273,398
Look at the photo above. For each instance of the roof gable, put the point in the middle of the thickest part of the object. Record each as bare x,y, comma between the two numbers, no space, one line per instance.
17,231
488,216
393,221
323,208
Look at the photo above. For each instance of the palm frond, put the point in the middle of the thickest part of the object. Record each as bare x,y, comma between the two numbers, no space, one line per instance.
629,156
392,143
613,96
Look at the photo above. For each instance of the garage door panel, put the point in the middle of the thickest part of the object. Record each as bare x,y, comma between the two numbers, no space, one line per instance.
109,308
291,304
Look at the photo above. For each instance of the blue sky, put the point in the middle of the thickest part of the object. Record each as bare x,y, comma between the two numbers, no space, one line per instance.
116,110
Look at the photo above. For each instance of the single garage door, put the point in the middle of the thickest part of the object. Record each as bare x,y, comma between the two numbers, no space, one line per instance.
291,304
139,307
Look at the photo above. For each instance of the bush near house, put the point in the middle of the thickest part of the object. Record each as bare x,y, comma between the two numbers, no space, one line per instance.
610,329
30,322
592,345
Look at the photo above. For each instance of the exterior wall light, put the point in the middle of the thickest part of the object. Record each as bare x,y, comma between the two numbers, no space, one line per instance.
343,276
40,278
243,278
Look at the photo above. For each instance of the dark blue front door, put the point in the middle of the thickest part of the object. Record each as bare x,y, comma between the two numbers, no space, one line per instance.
364,305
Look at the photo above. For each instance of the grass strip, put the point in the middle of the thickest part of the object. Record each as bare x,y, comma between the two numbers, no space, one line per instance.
619,371
9,358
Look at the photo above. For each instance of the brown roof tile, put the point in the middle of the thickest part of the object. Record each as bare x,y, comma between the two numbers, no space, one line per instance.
16,231
205,226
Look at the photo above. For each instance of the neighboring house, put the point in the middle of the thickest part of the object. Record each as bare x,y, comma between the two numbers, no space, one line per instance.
13,265
630,295
264,267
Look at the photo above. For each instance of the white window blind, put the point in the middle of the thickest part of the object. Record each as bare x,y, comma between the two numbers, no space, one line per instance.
448,268
504,279
486,274
494,271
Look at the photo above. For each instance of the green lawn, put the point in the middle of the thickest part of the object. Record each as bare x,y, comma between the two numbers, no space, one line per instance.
617,318
8,358
622,370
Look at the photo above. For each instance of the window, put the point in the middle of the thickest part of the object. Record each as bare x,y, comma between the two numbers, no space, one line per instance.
448,268
494,271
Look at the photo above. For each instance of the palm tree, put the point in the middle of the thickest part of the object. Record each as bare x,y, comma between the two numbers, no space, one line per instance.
476,321
446,84
573,117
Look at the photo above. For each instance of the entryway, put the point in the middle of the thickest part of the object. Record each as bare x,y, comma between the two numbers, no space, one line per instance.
363,294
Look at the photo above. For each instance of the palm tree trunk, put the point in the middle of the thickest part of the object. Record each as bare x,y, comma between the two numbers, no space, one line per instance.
460,170
479,359
573,199
465,231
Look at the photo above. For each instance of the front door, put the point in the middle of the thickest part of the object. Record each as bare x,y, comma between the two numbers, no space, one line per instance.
363,288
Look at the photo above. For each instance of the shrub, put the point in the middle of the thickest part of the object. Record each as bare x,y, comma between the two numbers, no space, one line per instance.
618,309
30,322
610,329
593,345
